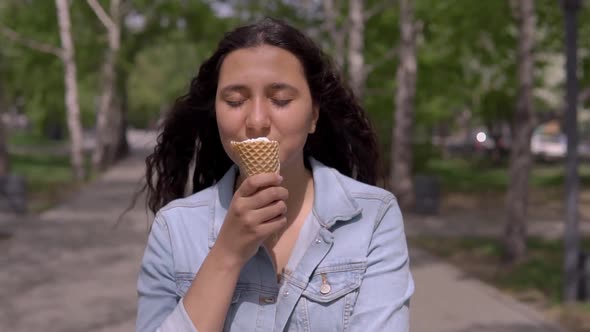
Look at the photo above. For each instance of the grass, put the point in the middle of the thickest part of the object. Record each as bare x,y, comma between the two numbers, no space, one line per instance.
31,139
47,173
459,175
48,177
537,280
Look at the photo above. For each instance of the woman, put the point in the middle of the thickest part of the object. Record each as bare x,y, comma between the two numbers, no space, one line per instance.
315,248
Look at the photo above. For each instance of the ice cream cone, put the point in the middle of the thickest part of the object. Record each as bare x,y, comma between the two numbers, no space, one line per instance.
259,155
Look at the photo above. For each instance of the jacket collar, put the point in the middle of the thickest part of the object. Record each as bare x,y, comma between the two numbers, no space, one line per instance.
332,200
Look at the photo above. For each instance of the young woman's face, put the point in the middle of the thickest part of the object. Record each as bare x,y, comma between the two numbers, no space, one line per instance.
262,92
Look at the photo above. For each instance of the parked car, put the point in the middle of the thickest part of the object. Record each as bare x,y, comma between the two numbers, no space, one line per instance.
548,146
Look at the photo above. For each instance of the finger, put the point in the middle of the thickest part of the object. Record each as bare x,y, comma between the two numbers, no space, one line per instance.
254,183
269,212
265,197
272,226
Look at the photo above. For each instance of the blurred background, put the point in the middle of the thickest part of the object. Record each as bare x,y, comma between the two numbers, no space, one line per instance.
482,109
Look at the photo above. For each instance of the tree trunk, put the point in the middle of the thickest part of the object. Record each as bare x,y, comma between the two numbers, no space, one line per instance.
106,134
4,164
336,34
357,73
523,122
401,155
572,273
108,122
122,145
71,90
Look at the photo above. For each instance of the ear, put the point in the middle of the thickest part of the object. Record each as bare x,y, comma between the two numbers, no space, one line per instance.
314,120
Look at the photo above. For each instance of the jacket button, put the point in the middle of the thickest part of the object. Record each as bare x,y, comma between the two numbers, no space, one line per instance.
318,240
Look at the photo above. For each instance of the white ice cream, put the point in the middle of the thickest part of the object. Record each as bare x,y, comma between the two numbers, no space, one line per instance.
259,139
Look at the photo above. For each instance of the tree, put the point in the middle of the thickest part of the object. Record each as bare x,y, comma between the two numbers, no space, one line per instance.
71,86
109,117
572,232
159,57
335,31
66,55
357,71
401,156
4,164
522,124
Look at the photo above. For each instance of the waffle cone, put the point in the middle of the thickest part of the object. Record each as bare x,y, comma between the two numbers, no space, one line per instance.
257,156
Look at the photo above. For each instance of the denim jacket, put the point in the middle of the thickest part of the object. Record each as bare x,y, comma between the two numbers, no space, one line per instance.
349,270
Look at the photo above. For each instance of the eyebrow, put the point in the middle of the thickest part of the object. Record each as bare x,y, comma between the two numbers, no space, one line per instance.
233,88
283,86
273,87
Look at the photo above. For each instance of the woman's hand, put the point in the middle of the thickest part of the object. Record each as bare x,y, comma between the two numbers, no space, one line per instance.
256,211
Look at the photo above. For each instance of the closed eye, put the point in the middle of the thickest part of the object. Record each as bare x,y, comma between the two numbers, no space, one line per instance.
281,102
232,103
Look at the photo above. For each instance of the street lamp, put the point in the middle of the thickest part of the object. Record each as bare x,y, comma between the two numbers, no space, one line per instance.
571,234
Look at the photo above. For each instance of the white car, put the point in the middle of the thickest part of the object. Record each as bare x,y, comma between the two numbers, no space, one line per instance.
549,146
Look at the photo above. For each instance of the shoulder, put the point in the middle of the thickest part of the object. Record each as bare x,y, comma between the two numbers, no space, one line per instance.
366,196
194,205
375,201
363,191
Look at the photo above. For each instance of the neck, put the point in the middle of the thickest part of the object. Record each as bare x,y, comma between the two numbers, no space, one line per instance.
299,183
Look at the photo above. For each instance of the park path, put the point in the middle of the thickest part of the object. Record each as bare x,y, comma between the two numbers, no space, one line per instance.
73,269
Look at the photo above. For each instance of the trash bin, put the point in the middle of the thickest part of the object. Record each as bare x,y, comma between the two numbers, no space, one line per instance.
427,194
584,276
13,196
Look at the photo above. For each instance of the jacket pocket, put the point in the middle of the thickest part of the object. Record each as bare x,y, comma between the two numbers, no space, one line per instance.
334,279
327,302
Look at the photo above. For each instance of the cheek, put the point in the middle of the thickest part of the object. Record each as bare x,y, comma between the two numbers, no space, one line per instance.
228,127
294,132
228,123
297,123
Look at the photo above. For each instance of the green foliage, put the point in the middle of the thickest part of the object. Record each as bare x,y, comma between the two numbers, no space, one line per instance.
47,177
541,272
460,175
466,56
24,139
160,59
161,74
186,30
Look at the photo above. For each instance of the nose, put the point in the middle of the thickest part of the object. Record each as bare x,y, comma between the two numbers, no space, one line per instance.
258,120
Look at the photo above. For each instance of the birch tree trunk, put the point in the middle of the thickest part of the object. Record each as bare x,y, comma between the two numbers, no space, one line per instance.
522,128
357,73
71,89
401,154
336,33
108,122
4,164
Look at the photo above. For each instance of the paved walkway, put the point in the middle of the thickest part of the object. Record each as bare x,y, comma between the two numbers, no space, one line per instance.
446,300
72,269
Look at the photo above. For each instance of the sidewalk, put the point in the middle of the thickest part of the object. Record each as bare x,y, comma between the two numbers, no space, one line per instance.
73,269
446,300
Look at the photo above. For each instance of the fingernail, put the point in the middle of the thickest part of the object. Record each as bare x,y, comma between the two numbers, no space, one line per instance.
280,178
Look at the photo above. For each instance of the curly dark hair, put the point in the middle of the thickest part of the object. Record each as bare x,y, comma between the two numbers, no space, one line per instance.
344,138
